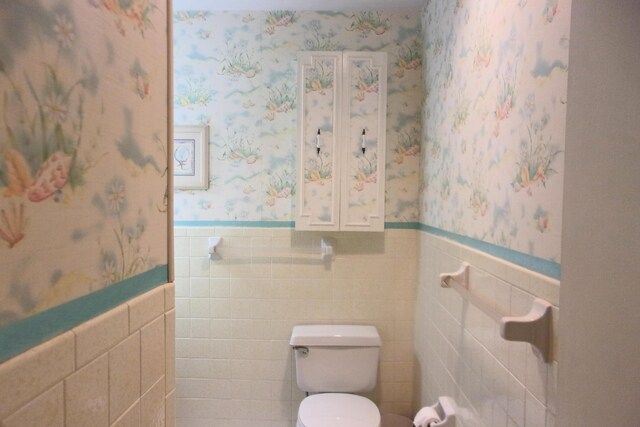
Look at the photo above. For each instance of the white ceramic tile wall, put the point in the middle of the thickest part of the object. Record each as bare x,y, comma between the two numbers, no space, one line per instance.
458,348
109,371
234,317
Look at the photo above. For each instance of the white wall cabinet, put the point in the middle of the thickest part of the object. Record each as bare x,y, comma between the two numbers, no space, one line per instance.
342,99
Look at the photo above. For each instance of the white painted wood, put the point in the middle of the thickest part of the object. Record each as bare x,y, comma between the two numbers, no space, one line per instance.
313,210
352,215
341,201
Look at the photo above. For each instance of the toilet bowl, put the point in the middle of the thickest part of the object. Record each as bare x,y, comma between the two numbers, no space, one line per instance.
338,410
332,362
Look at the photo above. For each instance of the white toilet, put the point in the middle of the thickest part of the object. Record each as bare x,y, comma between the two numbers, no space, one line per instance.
334,360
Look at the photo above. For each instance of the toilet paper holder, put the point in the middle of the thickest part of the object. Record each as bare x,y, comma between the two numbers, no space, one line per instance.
444,408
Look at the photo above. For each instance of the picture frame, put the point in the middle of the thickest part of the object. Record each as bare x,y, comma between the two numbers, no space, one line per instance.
191,157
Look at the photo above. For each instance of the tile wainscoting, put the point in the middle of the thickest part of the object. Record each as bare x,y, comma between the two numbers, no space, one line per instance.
114,370
458,347
234,319
234,365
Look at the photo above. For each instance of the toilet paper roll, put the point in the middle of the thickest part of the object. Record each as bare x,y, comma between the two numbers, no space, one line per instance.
426,416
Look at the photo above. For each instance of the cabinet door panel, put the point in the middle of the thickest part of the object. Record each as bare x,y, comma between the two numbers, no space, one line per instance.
319,77
364,115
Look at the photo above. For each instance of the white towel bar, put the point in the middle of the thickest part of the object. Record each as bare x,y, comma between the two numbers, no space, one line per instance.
534,327
324,253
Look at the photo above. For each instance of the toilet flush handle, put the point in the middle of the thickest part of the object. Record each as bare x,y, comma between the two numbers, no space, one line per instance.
304,351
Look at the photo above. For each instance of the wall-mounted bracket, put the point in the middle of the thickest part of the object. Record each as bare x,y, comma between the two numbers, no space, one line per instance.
461,276
534,328
326,249
212,246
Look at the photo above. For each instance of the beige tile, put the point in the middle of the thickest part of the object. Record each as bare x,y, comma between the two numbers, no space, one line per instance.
124,376
47,410
258,232
87,395
536,376
516,400
182,287
551,419
181,246
145,308
535,412
100,334
152,406
170,410
29,374
198,247
552,388
201,231
282,232
131,418
199,287
181,267
169,296
152,353
180,231
199,266
170,349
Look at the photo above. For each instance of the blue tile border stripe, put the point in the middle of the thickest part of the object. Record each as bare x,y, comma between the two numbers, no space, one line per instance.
539,265
24,334
257,224
401,225
275,224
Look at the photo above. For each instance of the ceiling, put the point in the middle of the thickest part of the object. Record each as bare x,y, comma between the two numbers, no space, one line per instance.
334,5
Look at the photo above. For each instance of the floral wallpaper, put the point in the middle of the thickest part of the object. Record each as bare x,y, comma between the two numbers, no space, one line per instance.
236,72
82,148
494,121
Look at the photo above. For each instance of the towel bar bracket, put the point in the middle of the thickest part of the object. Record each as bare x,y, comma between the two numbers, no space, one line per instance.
533,328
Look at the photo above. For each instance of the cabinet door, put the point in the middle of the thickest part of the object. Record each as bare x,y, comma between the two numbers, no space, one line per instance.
318,200
364,100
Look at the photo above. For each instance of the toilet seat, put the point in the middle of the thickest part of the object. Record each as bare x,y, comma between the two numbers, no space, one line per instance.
338,410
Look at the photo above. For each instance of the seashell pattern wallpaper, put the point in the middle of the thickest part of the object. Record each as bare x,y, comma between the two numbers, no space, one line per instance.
495,110
83,148
475,127
237,73
475,122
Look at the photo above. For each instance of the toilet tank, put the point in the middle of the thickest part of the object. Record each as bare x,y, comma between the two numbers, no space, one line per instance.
336,358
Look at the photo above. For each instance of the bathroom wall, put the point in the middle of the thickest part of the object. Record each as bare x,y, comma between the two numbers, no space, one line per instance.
492,166
494,122
458,347
237,71
114,370
86,331
601,237
234,365
83,151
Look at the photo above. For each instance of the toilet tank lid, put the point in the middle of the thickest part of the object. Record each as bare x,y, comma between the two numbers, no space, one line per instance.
335,335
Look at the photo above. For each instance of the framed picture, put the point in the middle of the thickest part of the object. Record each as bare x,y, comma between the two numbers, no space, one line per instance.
191,157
